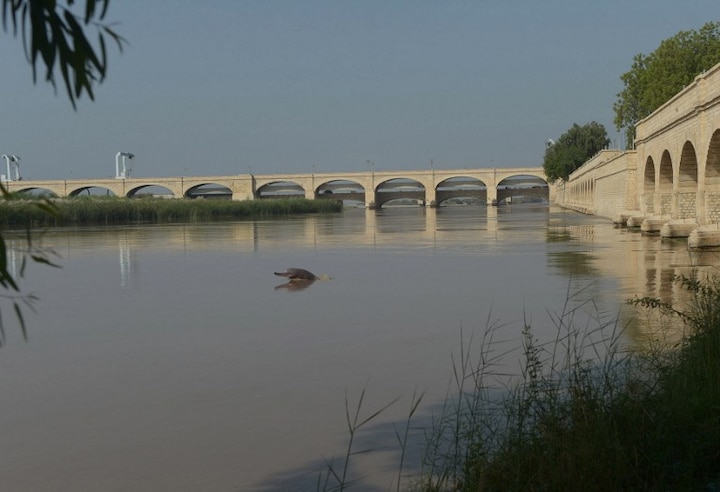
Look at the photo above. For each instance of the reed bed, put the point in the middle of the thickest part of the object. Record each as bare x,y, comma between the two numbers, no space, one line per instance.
584,414
111,210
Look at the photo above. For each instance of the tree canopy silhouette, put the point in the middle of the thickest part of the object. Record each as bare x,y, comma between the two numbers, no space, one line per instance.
657,77
573,149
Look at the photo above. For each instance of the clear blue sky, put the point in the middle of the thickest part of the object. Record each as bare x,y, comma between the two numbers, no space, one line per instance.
228,86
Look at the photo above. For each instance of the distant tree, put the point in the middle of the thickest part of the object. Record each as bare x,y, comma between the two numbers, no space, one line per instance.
655,78
573,149
54,37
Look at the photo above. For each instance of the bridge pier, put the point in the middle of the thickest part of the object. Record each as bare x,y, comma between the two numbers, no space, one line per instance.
242,196
492,195
370,199
430,197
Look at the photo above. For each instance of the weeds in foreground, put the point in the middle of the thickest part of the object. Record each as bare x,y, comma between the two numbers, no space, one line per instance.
337,479
584,413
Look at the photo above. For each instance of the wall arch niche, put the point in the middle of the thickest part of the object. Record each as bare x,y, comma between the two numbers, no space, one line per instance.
687,183
712,179
665,184
649,185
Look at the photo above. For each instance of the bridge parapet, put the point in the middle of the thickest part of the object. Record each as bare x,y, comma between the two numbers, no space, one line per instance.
686,104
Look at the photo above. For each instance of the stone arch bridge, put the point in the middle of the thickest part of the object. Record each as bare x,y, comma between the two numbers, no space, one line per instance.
373,188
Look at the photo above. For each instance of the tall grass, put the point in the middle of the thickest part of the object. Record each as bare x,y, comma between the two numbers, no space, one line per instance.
585,413
111,210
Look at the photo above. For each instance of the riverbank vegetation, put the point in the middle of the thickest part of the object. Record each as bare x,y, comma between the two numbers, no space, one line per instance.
117,211
587,414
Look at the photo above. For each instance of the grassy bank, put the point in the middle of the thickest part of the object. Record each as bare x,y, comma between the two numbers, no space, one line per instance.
111,210
586,414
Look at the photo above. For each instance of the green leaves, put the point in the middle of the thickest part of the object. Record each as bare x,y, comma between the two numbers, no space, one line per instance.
655,78
54,37
573,149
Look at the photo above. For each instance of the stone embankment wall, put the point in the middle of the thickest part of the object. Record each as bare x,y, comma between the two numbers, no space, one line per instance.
674,171
604,186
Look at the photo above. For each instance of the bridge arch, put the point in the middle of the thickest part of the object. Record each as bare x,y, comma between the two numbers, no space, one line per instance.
149,190
280,189
649,180
209,190
349,191
460,190
92,190
37,191
665,184
401,190
526,173
687,182
712,179
526,187
688,167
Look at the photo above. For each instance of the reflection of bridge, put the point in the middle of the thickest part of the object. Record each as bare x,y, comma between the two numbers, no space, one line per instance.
374,188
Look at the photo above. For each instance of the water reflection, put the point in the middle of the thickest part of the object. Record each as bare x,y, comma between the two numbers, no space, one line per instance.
126,263
577,246
295,285
172,340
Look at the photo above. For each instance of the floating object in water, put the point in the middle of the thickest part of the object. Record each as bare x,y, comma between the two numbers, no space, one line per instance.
297,274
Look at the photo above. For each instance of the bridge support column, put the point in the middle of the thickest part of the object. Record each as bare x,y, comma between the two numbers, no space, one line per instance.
308,184
431,197
492,196
243,188
700,211
370,199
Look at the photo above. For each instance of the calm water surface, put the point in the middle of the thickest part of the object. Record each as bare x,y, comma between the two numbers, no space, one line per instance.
171,358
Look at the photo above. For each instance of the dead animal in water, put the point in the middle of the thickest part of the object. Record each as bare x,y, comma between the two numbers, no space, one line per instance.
297,274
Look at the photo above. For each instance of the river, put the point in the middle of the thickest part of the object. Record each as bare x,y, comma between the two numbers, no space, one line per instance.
169,357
